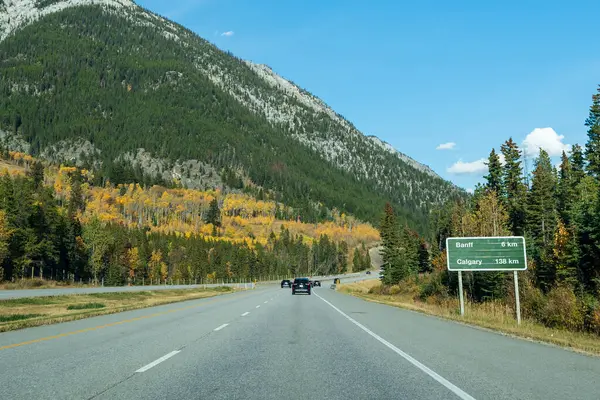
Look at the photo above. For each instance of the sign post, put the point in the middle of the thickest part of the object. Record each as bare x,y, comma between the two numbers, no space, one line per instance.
460,296
494,253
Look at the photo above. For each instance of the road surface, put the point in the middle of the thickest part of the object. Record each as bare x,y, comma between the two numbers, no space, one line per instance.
267,344
20,293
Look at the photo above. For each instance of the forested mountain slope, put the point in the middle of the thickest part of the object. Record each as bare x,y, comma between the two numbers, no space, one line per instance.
109,86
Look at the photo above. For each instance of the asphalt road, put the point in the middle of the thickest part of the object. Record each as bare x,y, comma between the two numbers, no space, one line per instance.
267,344
20,293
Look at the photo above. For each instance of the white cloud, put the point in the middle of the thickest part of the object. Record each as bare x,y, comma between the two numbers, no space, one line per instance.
446,146
470,190
462,168
502,158
228,33
547,139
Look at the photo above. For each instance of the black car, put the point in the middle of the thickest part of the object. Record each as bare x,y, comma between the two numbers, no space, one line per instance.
317,283
368,272
286,283
301,285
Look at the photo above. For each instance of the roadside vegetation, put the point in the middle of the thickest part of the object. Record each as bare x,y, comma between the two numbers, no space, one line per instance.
34,311
494,315
557,210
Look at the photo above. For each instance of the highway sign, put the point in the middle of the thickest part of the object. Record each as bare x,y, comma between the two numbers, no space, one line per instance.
498,253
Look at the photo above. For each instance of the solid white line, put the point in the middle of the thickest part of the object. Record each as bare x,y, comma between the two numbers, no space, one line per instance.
258,306
246,313
453,388
218,328
155,363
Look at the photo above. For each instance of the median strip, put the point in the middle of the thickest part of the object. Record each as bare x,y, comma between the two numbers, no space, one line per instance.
34,311
156,362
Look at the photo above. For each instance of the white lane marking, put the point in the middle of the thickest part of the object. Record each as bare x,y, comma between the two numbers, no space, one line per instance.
218,328
258,306
246,313
453,388
266,302
156,362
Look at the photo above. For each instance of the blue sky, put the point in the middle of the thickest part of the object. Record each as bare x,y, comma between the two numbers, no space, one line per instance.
419,74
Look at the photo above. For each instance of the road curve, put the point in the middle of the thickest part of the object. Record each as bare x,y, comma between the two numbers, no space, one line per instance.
267,344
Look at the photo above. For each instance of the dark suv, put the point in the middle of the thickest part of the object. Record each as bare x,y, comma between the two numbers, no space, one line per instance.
286,283
301,285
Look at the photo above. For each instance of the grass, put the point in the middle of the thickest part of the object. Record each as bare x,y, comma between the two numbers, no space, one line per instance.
36,311
17,317
85,306
37,283
490,315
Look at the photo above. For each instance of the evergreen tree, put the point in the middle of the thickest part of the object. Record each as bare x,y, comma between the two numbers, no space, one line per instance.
541,216
390,242
37,174
213,216
565,190
357,262
494,176
424,262
577,164
514,188
592,147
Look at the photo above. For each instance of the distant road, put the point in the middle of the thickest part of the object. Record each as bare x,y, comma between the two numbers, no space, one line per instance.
267,344
13,294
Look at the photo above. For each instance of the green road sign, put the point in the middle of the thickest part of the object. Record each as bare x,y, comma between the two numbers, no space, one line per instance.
499,253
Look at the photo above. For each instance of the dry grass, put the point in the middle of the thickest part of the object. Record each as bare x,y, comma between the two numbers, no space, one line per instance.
35,311
491,315
37,283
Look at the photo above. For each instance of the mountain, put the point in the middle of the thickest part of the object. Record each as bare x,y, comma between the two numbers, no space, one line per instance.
110,86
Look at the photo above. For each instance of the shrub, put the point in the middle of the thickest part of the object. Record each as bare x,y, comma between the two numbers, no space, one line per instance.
591,314
85,306
17,317
433,288
562,309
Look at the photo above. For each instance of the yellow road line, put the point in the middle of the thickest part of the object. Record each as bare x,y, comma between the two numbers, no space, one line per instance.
44,339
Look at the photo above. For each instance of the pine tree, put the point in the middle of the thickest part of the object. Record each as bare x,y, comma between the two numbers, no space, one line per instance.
565,190
565,255
494,176
357,262
37,174
577,164
424,262
213,216
390,242
592,147
514,188
541,216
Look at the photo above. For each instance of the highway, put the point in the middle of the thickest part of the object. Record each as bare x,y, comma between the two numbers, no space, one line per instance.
267,344
20,293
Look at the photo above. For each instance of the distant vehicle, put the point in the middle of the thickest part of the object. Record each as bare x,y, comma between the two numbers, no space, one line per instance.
301,285
316,283
368,272
286,283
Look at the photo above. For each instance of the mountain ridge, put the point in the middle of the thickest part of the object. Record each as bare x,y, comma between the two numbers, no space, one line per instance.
272,105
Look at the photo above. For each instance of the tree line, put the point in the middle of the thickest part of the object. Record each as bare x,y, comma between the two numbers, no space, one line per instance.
557,210
43,236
